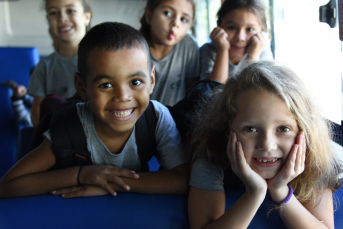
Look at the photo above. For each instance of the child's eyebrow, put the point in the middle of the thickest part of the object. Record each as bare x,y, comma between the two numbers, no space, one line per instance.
235,23
70,5
139,73
100,77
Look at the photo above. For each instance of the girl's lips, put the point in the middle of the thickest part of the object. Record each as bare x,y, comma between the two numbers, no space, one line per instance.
267,162
171,35
237,49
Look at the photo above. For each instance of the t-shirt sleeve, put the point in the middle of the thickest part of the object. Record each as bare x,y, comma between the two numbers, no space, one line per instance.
207,176
193,62
207,58
38,81
170,149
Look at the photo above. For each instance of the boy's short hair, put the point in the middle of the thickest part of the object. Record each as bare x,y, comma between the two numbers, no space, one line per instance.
109,36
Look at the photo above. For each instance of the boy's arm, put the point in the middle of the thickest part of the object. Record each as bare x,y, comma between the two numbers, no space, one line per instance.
35,110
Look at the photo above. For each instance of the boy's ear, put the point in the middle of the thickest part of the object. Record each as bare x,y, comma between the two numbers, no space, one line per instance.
148,16
152,79
80,87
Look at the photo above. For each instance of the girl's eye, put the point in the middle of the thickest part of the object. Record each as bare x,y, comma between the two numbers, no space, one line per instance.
250,30
135,82
284,129
250,129
52,13
231,28
106,85
183,19
71,11
167,13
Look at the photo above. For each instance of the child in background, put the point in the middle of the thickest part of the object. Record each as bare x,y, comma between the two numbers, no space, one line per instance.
240,35
264,127
116,79
68,20
174,53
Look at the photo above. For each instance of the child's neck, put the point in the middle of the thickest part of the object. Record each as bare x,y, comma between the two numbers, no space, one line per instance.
68,49
159,51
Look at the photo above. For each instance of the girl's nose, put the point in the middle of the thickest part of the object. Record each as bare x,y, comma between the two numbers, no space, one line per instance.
175,21
62,17
121,94
266,142
241,35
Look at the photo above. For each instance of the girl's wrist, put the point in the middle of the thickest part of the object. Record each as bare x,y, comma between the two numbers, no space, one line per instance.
280,194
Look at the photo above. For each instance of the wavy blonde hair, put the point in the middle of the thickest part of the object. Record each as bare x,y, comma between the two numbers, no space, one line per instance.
322,169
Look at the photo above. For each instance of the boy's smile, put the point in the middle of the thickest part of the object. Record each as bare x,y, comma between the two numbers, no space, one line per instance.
118,88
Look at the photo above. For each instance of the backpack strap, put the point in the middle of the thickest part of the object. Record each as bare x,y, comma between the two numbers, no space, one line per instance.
68,138
145,136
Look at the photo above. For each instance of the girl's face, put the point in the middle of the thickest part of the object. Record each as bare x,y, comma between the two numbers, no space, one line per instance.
170,21
67,19
266,130
240,25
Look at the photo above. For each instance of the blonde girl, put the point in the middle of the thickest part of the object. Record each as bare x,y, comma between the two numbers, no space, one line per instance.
240,35
68,21
266,128
174,53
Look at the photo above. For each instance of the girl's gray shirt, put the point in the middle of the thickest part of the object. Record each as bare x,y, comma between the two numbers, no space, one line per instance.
170,150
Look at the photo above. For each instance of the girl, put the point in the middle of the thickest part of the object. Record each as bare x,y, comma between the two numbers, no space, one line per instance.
265,127
68,20
240,35
174,53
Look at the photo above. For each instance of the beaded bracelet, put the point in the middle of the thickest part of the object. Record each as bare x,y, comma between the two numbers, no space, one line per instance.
78,175
290,194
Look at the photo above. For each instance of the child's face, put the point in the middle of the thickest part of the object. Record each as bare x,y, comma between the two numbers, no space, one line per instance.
67,19
119,84
266,130
170,21
240,25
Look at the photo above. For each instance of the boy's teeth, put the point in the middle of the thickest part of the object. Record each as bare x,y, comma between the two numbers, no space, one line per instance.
267,161
122,114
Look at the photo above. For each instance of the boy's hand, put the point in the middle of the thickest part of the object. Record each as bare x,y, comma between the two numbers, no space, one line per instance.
100,174
220,39
256,45
18,90
80,191
253,182
294,166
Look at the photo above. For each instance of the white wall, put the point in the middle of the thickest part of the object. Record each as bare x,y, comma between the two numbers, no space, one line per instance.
23,23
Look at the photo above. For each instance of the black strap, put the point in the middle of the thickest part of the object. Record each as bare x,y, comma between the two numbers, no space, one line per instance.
69,140
145,136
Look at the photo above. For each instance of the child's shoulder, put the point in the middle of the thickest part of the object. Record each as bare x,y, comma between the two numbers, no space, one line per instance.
189,41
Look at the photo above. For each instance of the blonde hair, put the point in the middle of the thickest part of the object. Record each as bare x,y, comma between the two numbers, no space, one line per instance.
321,166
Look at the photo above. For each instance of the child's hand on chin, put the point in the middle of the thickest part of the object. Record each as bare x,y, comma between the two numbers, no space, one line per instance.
256,45
80,191
295,165
254,183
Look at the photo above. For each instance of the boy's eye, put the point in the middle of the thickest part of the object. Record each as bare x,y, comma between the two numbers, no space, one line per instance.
106,85
52,13
71,11
250,129
231,27
135,82
284,129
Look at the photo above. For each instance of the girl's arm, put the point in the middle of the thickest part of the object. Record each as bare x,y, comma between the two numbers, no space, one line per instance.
220,69
206,209
318,214
35,110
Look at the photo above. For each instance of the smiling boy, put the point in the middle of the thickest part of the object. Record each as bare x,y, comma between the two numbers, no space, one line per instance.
115,80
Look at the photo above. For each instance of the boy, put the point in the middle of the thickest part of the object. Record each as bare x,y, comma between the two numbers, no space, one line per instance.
116,79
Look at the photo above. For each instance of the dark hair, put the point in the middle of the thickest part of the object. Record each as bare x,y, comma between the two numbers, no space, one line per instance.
255,6
151,6
86,8
109,36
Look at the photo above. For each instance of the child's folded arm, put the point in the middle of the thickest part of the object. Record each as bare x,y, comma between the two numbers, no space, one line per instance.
30,176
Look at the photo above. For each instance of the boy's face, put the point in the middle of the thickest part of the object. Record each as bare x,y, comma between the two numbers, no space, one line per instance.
118,87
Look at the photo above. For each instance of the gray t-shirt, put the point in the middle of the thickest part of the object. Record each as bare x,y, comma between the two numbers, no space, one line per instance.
208,55
207,176
172,70
54,74
169,147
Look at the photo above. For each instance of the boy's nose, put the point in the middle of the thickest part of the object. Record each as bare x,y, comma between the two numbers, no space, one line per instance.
266,142
121,94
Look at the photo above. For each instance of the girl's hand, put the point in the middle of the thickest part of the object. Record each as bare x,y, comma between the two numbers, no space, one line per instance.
220,39
253,182
256,45
80,191
100,174
294,166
